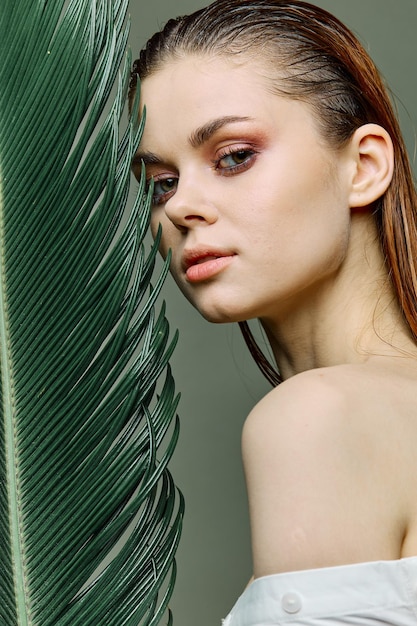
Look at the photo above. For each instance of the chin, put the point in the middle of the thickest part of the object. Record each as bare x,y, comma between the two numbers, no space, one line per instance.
216,308
216,319
219,315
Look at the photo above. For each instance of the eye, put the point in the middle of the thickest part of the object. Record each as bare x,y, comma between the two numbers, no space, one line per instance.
163,189
234,160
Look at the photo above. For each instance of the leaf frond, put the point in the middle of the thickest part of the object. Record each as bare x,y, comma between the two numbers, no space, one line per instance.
90,517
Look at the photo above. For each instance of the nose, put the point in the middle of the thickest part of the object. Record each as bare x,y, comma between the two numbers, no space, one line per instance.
190,206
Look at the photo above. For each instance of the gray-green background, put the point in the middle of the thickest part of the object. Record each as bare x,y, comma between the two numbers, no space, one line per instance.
213,371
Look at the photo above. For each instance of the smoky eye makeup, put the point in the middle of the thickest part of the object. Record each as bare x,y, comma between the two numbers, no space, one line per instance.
162,187
233,159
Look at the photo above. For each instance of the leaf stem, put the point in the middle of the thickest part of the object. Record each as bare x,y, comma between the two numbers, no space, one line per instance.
10,438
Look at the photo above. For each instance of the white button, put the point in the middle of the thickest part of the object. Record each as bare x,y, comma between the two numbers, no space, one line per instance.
291,602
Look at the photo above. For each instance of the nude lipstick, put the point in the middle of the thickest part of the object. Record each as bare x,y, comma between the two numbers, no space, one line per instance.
203,264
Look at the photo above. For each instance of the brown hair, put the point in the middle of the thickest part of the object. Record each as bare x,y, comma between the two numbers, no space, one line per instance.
319,61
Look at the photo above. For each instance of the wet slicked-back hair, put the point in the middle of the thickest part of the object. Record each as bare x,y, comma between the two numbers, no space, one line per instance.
308,55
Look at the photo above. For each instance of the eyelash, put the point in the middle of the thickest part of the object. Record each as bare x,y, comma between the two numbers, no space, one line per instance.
162,197
229,151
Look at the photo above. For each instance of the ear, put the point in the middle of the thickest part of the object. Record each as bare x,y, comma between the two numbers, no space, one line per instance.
373,153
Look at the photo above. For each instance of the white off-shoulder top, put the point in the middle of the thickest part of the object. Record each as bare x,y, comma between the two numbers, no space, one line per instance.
362,594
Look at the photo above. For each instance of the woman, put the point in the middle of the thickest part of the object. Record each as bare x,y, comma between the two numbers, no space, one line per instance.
284,191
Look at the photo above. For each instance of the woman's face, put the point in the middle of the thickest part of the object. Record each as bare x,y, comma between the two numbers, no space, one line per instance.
252,202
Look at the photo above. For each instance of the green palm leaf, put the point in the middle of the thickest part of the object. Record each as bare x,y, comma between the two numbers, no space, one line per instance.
88,403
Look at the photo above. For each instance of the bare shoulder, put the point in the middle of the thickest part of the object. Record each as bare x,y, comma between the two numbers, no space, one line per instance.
312,399
324,464
351,399
308,425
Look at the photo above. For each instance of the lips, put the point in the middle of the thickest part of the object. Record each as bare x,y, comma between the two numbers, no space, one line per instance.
201,264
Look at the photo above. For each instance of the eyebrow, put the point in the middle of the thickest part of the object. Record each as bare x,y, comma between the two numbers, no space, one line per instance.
197,138
204,133
148,158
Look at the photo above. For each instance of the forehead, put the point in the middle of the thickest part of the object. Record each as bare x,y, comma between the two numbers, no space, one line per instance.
181,75
188,94
189,91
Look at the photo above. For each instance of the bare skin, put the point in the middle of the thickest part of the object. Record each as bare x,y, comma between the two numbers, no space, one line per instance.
331,474
266,221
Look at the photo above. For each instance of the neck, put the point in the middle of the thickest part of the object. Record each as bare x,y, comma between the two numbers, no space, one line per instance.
349,318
